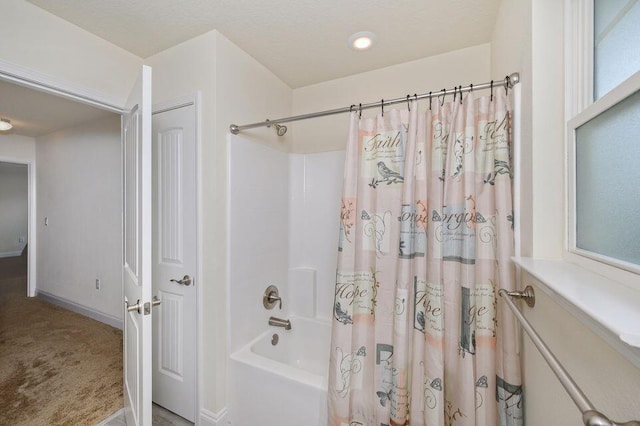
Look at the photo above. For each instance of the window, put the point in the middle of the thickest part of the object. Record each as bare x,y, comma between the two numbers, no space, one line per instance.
616,39
603,144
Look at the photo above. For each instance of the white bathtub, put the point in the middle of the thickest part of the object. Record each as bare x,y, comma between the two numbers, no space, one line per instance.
285,384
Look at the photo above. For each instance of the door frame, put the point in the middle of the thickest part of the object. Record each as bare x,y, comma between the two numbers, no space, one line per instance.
41,82
175,103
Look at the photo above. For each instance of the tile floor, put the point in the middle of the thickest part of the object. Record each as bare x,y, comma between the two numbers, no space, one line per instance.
161,417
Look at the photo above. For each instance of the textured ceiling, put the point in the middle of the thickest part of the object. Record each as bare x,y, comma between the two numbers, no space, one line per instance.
34,113
303,41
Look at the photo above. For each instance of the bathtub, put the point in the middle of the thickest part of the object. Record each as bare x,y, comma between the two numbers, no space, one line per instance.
283,384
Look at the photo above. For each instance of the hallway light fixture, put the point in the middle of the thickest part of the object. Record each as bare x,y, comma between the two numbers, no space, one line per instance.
362,40
5,125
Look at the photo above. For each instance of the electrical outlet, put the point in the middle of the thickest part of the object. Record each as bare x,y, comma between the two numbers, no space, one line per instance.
97,283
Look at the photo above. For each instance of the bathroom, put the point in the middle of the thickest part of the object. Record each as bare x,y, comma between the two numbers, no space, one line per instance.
314,179
270,206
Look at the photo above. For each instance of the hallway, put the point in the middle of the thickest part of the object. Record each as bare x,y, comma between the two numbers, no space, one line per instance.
56,367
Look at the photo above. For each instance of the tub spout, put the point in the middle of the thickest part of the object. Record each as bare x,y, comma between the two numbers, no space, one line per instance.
278,322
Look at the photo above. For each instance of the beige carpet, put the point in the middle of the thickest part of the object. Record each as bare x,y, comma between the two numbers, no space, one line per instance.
56,367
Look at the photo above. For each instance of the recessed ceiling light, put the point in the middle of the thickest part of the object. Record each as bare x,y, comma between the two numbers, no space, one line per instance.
5,125
362,40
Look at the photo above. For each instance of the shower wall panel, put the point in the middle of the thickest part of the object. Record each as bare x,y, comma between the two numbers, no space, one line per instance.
258,235
284,212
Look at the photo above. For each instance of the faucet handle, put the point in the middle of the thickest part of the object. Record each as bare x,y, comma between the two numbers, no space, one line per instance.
270,297
273,298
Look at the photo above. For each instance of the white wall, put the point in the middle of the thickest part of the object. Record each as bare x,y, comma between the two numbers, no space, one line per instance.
42,42
460,67
607,378
79,191
529,38
186,69
511,52
14,203
548,128
17,148
246,92
234,87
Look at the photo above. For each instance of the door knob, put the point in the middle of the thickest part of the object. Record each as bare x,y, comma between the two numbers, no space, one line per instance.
186,280
155,301
137,307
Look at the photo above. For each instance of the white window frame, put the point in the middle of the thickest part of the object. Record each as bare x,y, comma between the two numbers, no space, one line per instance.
579,109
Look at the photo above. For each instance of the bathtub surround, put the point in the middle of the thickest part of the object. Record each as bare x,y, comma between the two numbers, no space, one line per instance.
315,184
292,376
258,194
302,292
285,225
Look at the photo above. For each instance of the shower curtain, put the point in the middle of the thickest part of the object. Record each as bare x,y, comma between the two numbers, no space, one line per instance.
426,236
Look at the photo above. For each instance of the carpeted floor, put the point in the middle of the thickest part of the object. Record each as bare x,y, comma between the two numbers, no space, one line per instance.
56,367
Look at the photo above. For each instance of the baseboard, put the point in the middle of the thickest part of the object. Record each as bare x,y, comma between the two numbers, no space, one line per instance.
117,414
80,309
207,418
11,253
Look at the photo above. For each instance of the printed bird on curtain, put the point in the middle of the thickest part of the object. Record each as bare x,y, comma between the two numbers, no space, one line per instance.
418,337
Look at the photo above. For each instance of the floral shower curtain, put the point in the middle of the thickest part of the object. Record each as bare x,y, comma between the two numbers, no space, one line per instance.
425,243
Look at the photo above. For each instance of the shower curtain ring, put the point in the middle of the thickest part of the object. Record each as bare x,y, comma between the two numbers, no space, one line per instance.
460,94
408,104
491,99
430,100
360,113
455,92
444,94
382,106
507,83
351,108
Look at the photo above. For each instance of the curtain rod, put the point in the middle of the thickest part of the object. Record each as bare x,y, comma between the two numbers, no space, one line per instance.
590,416
508,82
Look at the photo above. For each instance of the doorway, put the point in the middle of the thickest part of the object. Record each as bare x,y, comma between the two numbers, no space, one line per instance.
46,222
57,357
14,221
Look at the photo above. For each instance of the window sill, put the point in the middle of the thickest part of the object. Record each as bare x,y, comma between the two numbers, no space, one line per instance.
608,308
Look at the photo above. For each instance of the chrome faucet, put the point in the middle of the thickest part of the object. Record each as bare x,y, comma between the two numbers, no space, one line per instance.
270,297
278,322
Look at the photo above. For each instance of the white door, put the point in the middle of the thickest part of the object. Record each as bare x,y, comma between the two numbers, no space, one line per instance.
174,260
137,252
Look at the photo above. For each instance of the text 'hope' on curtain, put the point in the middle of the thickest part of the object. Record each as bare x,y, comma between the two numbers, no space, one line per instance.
425,243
